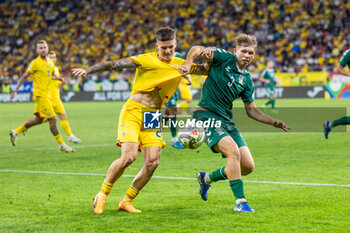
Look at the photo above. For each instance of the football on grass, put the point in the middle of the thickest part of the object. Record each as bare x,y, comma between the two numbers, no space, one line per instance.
192,139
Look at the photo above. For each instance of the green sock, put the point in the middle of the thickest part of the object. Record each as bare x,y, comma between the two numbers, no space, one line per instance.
172,121
268,102
218,174
237,188
273,103
341,121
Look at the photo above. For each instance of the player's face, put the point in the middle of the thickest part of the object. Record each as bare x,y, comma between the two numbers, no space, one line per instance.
166,50
269,64
53,57
42,49
245,55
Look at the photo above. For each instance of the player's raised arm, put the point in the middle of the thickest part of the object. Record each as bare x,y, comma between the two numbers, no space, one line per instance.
194,52
19,83
257,115
104,66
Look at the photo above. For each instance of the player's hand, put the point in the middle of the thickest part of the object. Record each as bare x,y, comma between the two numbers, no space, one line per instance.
63,80
208,54
79,72
13,94
280,124
184,70
189,80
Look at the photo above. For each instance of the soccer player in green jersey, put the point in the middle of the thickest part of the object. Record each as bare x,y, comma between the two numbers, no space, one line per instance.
228,80
268,77
341,69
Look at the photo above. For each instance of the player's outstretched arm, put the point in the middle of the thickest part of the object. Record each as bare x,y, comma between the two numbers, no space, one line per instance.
340,69
194,52
19,83
254,113
104,66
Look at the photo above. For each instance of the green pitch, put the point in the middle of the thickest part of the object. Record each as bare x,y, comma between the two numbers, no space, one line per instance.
61,201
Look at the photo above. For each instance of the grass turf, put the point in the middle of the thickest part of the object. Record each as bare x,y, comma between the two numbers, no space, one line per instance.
62,202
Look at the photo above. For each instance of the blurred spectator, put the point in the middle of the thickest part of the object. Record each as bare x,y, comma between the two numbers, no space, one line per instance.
297,35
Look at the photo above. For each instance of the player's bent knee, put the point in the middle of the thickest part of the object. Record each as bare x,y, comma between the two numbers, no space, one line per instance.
248,170
152,165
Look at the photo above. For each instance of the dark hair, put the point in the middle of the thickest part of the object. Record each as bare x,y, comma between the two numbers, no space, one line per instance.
244,40
52,53
165,33
40,42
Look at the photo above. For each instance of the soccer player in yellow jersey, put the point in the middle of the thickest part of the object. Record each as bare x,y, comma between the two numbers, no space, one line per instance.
156,80
41,70
57,103
185,92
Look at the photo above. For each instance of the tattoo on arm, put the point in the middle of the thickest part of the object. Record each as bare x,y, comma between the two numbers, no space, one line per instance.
111,65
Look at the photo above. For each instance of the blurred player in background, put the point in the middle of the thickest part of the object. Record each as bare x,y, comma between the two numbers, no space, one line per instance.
41,69
156,80
57,103
171,111
268,77
228,80
341,69
185,92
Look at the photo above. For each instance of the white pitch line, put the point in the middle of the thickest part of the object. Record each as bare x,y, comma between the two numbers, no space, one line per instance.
54,148
174,178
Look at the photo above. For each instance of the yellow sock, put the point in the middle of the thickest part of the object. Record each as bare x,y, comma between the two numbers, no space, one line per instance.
65,126
20,129
131,193
106,188
59,139
183,105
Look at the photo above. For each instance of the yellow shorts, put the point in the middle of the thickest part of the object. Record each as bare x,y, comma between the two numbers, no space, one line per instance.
185,91
43,107
57,105
130,127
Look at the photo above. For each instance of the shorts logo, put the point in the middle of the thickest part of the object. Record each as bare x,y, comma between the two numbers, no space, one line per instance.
123,134
151,120
159,134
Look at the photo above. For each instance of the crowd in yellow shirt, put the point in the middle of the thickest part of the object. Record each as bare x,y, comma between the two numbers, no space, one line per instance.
298,35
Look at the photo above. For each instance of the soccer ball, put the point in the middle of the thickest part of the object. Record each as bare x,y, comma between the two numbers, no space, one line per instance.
192,139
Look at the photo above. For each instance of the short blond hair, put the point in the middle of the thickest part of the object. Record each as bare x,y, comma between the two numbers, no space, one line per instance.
40,42
245,40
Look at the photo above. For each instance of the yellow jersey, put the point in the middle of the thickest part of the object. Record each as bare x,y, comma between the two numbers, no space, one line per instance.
41,72
54,88
153,73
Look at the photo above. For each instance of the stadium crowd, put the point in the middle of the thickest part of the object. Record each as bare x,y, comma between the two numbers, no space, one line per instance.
298,35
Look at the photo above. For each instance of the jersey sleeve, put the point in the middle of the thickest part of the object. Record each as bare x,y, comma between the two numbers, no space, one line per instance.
56,72
142,60
345,60
221,55
265,74
31,68
247,94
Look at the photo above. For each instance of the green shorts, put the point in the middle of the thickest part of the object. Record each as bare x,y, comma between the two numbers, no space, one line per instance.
270,91
173,99
215,134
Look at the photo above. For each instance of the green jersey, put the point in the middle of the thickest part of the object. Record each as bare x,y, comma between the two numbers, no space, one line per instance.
224,84
269,74
345,60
